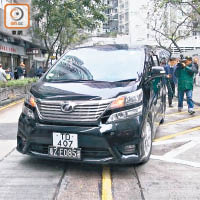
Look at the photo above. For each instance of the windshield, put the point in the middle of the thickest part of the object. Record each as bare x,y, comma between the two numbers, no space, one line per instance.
98,65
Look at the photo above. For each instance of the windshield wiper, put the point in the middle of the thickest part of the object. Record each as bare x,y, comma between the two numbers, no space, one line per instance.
65,80
127,80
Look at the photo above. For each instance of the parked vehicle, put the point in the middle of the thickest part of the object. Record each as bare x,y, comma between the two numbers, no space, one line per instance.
98,104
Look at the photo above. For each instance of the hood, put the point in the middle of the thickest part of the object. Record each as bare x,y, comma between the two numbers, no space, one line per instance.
81,90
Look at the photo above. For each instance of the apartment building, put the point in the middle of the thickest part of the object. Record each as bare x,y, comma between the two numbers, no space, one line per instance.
111,24
123,12
133,20
112,17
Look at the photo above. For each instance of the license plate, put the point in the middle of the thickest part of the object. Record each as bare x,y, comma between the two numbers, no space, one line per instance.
67,153
65,145
66,140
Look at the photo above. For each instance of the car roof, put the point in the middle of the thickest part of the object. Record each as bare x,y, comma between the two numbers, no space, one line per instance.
112,47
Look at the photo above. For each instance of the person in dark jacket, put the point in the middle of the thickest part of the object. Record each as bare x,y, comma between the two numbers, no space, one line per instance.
15,73
32,72
39,71
195,63
20,72
171,79
185,73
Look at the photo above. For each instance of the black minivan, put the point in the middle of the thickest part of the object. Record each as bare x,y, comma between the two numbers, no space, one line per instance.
99,104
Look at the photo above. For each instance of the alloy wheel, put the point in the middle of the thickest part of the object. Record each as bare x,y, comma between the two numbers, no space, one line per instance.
147,138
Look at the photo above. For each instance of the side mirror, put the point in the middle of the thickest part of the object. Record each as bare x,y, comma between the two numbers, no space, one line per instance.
158,71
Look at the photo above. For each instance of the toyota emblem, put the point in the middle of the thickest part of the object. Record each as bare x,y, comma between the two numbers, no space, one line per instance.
67,107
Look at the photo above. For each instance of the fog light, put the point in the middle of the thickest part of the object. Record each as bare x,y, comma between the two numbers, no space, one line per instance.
128,149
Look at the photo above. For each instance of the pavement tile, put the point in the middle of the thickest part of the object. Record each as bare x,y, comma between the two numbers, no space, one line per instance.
165,148
124,183
191,154
161,180
6,147
26,193
22,177
81,182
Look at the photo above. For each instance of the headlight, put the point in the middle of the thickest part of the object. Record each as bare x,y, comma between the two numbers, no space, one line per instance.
30,100
125,114
129,99
126,100
28,112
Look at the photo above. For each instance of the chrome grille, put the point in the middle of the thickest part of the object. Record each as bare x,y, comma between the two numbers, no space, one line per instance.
88,111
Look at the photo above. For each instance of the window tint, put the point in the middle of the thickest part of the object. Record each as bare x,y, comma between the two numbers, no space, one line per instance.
155,60
69,68
97,64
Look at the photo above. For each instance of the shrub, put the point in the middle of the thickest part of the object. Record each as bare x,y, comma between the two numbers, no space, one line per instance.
18,83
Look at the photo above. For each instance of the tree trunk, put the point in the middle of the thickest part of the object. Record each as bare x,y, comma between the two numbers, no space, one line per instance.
57,52
47,62
176,45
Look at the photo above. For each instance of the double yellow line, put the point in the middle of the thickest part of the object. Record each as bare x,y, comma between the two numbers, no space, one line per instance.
167,137
182,120
180,113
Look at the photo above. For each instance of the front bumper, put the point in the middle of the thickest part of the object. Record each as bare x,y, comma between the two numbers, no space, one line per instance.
103,144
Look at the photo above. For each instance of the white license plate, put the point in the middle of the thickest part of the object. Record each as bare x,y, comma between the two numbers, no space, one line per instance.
66,140
67,153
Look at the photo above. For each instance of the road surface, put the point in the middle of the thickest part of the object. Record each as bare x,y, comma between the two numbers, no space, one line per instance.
171,173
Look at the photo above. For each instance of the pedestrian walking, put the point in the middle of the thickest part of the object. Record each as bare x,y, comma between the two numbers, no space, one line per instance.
9,74
20,71
185,73
163,62
32,72
171,79
2,74
39,71
15,73
195,62
24,70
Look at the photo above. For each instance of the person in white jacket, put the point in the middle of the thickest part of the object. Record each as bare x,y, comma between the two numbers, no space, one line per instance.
2,74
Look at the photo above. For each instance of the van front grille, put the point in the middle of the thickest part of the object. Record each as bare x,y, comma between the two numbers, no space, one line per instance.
83,111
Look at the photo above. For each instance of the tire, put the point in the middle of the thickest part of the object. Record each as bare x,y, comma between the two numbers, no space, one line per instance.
164,111
146,143
163,119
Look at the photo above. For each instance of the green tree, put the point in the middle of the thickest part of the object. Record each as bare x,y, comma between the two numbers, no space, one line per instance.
56,17
70,36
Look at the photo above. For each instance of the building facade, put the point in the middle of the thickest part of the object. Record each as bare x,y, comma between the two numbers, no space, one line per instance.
125,18
133,20
123,12
18,46
111,25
